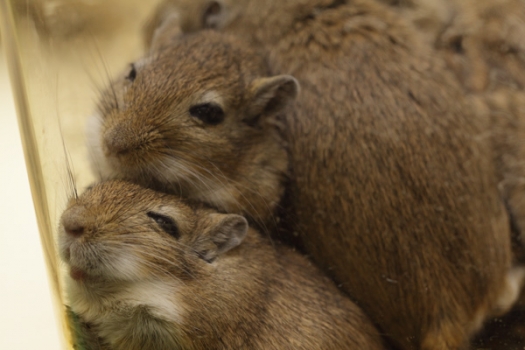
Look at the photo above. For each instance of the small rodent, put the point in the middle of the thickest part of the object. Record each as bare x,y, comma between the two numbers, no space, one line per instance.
151,271
394,190
483,41
201,118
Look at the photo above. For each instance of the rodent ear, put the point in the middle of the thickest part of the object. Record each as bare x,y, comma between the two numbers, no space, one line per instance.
227,233
168,30
271,95
213,15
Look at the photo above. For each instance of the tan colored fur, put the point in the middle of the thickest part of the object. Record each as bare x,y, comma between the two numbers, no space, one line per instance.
143,131
254,296
483,43
483,40
394,189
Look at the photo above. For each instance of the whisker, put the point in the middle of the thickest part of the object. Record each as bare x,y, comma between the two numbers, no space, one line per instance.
147,251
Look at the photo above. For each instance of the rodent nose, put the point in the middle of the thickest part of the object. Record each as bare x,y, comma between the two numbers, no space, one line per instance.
117,141
74,231
73,221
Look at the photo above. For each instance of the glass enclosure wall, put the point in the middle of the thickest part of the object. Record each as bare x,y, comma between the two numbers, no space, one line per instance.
60,54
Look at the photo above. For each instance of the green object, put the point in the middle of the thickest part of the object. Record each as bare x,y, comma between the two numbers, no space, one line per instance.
79,332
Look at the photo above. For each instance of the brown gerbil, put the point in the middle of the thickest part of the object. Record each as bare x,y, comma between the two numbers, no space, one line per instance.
210,131
199,119
150,271
482,40
394,190
483,43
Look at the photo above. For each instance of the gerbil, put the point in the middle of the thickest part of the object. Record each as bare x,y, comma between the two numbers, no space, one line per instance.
394,190
483,43
150,271
199,118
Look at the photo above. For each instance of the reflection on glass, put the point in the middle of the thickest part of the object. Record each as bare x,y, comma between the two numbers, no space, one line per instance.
60,54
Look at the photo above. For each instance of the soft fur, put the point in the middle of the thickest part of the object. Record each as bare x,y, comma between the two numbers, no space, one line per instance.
395,189
143,131
219,285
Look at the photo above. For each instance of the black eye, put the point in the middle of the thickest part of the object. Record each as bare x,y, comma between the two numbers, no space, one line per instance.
132,73
166,223
210,113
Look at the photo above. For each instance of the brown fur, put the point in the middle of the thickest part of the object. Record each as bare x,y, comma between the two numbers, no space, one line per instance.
483,40
483,43
253,296
238,165
394,189
504,108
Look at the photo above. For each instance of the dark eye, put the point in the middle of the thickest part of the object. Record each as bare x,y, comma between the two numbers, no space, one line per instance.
210,113
132,73
166,223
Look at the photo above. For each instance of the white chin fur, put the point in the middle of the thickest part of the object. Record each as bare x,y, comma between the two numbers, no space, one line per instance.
98,161
125,266
110,305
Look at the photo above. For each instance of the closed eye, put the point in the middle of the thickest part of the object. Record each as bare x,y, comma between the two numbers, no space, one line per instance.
166,223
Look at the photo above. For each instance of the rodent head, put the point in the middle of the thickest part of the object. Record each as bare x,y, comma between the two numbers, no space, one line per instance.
259,21
197,117
120,232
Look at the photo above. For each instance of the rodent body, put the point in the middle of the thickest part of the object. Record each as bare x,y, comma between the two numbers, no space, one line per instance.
149,271
406,208
483,43
394,191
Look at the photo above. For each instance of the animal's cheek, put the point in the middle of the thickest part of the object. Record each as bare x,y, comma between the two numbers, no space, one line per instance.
128,264
102,259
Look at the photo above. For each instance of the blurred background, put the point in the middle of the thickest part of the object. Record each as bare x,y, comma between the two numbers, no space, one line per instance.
27,318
